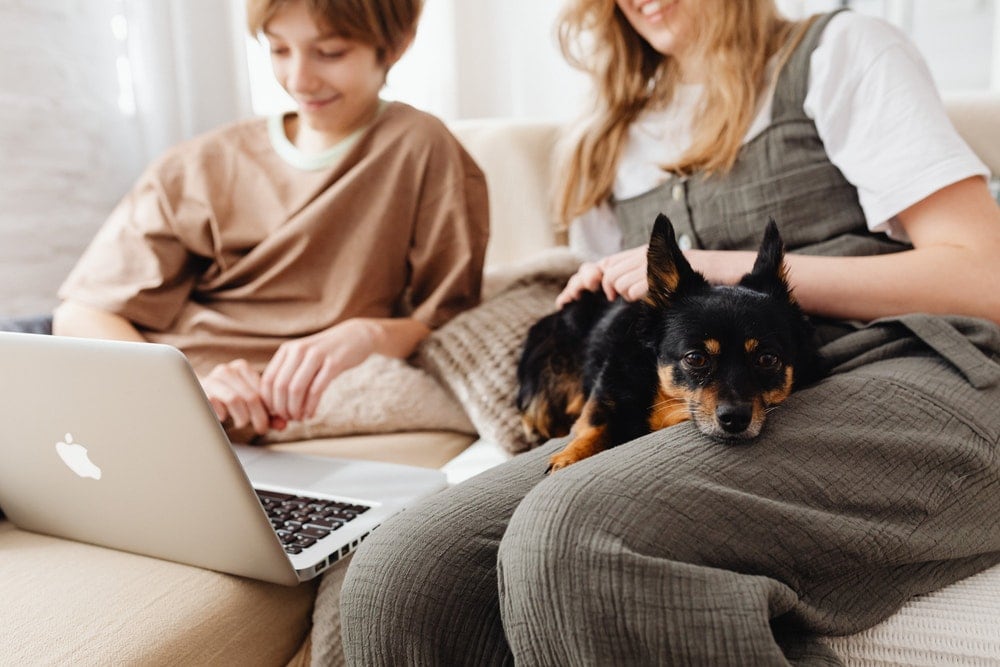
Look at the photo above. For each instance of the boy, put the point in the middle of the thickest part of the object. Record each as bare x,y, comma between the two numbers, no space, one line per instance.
277,253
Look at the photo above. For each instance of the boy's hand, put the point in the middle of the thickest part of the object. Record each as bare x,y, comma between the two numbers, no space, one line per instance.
233,389
302,369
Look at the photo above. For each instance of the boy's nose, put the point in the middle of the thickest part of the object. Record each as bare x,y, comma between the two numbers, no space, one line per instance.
300,76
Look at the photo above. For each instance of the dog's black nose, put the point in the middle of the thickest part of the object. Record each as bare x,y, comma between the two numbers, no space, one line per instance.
734,417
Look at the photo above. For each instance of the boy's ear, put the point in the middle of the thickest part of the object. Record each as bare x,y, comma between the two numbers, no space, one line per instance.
769,274
667,269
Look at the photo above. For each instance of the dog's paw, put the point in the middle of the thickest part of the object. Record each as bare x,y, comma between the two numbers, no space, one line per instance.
582,446
559,461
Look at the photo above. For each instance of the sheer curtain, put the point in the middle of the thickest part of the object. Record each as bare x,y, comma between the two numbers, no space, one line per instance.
90,92
470,58
475,58
186,67
496,59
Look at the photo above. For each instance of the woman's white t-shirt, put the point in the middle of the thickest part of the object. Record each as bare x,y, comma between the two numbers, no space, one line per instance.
875,107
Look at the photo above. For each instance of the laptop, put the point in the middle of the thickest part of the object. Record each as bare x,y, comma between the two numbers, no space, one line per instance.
116,444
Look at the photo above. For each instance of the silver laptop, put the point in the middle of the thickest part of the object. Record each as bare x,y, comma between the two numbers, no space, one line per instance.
116,444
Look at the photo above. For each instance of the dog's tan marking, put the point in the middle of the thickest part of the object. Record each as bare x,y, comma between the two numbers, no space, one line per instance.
776,396
588,440
663,282
751,344
553,410
575,405
705,400
535,421
671,403
786,280
713,346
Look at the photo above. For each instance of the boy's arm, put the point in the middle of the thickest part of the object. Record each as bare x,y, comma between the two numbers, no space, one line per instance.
449,234
301,369
71,318
398,336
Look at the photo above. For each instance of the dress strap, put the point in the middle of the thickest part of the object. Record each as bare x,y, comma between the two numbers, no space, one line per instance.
793,80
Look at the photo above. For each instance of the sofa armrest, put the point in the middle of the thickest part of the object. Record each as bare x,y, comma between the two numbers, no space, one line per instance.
517,158
976,116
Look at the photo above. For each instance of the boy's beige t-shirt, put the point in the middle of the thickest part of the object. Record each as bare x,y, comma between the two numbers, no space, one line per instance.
225,250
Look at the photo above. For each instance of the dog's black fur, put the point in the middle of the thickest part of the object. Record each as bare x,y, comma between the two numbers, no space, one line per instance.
721,355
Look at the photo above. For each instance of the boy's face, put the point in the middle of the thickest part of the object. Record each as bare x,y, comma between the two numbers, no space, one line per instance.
334,81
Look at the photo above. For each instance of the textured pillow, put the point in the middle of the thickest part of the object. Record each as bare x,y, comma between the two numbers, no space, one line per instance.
381,395
475,355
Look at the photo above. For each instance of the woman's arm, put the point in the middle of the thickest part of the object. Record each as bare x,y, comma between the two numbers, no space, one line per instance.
954,266
71,318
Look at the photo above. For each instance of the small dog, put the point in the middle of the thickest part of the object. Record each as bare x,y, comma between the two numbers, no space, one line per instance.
721,355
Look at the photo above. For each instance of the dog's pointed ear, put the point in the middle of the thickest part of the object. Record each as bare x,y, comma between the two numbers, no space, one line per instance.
667,270
769,274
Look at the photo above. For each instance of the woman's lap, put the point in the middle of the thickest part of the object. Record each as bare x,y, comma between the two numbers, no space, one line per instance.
861,492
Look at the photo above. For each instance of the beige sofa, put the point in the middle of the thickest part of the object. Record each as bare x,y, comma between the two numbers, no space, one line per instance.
70,603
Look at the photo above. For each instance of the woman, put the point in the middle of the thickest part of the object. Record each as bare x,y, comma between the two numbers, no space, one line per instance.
863,490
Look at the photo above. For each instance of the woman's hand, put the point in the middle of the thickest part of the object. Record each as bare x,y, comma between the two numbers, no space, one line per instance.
586,279
300,371
233,389
622,274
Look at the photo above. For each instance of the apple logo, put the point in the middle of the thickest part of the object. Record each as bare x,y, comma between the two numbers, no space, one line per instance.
74,455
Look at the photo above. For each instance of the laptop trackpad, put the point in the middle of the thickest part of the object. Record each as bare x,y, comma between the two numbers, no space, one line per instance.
346,478
275,468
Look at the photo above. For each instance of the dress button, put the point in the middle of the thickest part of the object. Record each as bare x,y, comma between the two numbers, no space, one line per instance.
678,192
684,242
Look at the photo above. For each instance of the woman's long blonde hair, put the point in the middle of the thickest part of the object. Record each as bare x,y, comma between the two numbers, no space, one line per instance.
738,39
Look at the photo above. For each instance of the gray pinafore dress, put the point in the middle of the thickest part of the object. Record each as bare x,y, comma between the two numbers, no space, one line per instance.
878,483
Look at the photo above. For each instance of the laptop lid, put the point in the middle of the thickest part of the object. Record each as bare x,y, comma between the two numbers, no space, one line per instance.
115,444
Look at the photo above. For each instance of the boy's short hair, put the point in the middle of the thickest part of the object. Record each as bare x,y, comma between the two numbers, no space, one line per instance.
387,25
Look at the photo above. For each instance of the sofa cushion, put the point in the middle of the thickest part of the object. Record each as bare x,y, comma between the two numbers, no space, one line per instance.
380,395
516,157
476,354
957,625
70,603
428,449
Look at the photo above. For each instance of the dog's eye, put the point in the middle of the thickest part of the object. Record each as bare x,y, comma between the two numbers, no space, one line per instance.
767,360
696,360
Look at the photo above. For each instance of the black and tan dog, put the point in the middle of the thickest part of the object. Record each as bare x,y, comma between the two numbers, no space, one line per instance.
720,355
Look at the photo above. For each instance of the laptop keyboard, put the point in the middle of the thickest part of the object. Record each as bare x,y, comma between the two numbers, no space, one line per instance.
301,521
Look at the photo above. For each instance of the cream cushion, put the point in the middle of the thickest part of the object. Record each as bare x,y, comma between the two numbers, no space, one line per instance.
427,449
957,625
67,603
